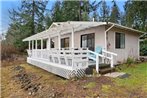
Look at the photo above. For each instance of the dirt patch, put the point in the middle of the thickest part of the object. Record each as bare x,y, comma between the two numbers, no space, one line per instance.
27,81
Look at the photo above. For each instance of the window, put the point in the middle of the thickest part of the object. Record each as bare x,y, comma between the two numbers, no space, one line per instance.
87,41
65,42
52,44
119,40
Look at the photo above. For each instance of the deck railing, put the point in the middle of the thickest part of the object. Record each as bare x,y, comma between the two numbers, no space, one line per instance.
77,59
74,58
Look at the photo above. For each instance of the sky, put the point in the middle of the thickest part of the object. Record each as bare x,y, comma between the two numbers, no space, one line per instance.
6,5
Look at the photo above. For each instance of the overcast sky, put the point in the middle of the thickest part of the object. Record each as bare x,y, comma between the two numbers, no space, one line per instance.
6,5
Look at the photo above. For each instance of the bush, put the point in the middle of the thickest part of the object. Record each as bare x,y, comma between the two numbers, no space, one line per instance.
130,61
143,48
7,50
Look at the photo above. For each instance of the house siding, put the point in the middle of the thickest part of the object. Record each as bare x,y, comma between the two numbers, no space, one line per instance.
131,45
99,36
131,41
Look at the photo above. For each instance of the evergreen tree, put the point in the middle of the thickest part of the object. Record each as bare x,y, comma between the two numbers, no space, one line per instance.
115,15
71,10
104,11
57,12
94,7
26,21
136,15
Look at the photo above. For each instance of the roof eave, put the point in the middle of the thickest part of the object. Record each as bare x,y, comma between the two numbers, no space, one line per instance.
124,27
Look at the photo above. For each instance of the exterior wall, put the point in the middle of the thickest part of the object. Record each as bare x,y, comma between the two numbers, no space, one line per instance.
99,36
131,41
131,45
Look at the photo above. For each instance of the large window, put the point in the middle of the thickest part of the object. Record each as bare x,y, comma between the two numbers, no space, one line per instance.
87,41
119,40
65,42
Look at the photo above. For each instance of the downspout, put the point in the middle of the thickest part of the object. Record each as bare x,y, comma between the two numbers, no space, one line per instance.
106,34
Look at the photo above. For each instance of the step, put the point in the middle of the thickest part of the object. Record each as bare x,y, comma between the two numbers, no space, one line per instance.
101,66
106,70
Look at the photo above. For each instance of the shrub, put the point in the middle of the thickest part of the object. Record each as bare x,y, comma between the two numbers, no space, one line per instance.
130,61
7,50
143,48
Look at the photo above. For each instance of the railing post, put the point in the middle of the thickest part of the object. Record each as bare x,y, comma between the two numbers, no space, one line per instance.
72,52
112,61
87,58
65,57
29,45
32,48
59,52
41,48
97,63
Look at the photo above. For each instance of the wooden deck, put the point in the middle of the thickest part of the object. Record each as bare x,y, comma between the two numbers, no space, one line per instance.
67,63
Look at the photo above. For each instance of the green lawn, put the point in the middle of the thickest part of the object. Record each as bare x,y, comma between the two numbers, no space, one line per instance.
138,78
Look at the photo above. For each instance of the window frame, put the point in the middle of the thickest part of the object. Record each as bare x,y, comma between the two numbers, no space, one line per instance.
87,36
120,38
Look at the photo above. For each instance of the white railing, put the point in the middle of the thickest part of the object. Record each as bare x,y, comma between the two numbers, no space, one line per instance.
110,56
105,55
77,59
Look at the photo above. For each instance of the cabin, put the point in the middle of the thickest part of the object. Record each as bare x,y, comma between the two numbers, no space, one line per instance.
69,48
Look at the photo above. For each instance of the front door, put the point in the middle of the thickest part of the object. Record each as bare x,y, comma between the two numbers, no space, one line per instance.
87,41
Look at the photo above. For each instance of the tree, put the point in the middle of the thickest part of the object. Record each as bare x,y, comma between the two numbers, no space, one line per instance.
56,14
94,7
71,10
136,16
47,20
26,21
122,19
104,11
115,15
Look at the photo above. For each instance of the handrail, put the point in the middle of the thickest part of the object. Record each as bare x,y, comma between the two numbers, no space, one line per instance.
96,59
109,52
97,55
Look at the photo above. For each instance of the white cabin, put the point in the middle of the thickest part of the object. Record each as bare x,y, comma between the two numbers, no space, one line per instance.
68,48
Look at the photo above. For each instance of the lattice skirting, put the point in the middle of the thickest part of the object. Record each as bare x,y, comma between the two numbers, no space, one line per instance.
66,72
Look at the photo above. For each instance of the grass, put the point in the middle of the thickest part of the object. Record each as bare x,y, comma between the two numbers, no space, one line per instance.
106,88
138,78
90,85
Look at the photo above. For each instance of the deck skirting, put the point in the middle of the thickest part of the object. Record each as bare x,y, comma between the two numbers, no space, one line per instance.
63,71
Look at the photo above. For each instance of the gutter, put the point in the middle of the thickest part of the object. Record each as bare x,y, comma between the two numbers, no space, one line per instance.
106,34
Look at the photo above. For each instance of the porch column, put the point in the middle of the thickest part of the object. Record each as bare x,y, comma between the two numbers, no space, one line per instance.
59,41
48,44
29,45
72,39
105,40
36,44
32,44
41,43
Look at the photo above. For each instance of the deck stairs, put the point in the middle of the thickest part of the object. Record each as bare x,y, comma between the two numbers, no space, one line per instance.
103,63
103,68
